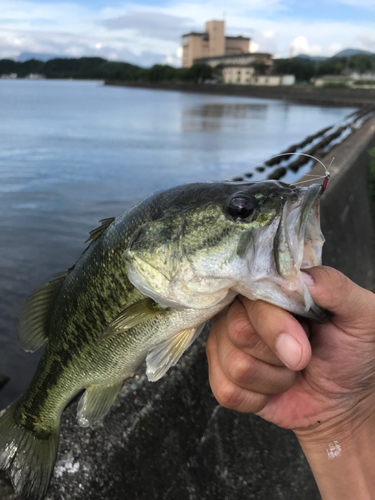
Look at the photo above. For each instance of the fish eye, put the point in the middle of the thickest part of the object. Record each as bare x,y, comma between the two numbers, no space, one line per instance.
241,206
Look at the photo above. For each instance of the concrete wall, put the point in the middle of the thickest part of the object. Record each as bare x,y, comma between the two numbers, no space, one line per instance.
345,210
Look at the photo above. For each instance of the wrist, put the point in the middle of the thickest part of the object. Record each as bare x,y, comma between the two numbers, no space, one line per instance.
341,454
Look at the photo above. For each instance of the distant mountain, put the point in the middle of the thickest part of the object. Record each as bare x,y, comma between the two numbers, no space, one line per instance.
40,56
353,52
310,58
342,53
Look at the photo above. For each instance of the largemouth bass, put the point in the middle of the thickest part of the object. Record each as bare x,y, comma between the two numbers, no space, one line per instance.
143,288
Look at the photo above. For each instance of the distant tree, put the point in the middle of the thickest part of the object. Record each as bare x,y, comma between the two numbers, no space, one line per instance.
260,67
99,68
303,69
8,66
162,73
217,72
198,73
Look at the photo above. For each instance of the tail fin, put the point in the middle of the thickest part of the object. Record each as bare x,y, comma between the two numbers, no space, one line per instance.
29,460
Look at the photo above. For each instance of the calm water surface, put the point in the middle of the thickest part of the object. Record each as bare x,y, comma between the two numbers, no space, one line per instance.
72,153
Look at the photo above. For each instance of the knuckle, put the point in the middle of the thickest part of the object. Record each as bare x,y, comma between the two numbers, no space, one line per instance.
239,330
228,395
259,402
241,367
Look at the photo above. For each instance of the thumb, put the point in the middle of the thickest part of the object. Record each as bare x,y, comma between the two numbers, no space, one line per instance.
332,290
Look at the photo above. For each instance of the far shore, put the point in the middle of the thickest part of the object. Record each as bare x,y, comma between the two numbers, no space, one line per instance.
342,97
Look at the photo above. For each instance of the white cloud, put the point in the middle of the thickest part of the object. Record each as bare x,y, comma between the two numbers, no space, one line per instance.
150,24
300,45
334,48
366,40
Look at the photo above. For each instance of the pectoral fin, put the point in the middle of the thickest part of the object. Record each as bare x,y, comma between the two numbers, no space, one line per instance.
161,357
96,402
137,313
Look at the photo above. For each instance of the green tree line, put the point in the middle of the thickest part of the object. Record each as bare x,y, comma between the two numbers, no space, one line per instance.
304,68
99,68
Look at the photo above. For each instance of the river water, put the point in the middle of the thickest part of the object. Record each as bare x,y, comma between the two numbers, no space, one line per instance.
72,153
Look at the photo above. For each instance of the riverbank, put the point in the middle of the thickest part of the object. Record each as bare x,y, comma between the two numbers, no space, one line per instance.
342,97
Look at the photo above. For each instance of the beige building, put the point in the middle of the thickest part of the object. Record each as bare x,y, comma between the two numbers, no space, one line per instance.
211,43
240,75
246,75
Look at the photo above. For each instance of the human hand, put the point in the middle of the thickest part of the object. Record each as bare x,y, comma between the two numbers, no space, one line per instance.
261,361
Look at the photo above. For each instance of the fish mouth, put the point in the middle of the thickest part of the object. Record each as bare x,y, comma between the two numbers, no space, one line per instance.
298,245
299,240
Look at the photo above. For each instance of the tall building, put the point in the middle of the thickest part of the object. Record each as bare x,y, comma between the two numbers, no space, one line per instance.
212,43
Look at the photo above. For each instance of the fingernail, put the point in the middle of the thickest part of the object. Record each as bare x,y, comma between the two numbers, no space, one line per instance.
307,278
288,350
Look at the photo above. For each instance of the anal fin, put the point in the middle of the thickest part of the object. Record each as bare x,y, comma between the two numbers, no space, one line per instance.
96,402
161,357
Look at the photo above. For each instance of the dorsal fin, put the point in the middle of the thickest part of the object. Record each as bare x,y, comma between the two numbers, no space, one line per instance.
33,317
98,231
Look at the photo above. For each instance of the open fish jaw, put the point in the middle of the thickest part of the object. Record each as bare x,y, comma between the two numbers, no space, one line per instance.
313,239
297,245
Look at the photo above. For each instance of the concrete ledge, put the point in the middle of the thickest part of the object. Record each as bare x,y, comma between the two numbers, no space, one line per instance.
346,215
302,94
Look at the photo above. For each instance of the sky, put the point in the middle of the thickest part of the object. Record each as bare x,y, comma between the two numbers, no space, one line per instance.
148,32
